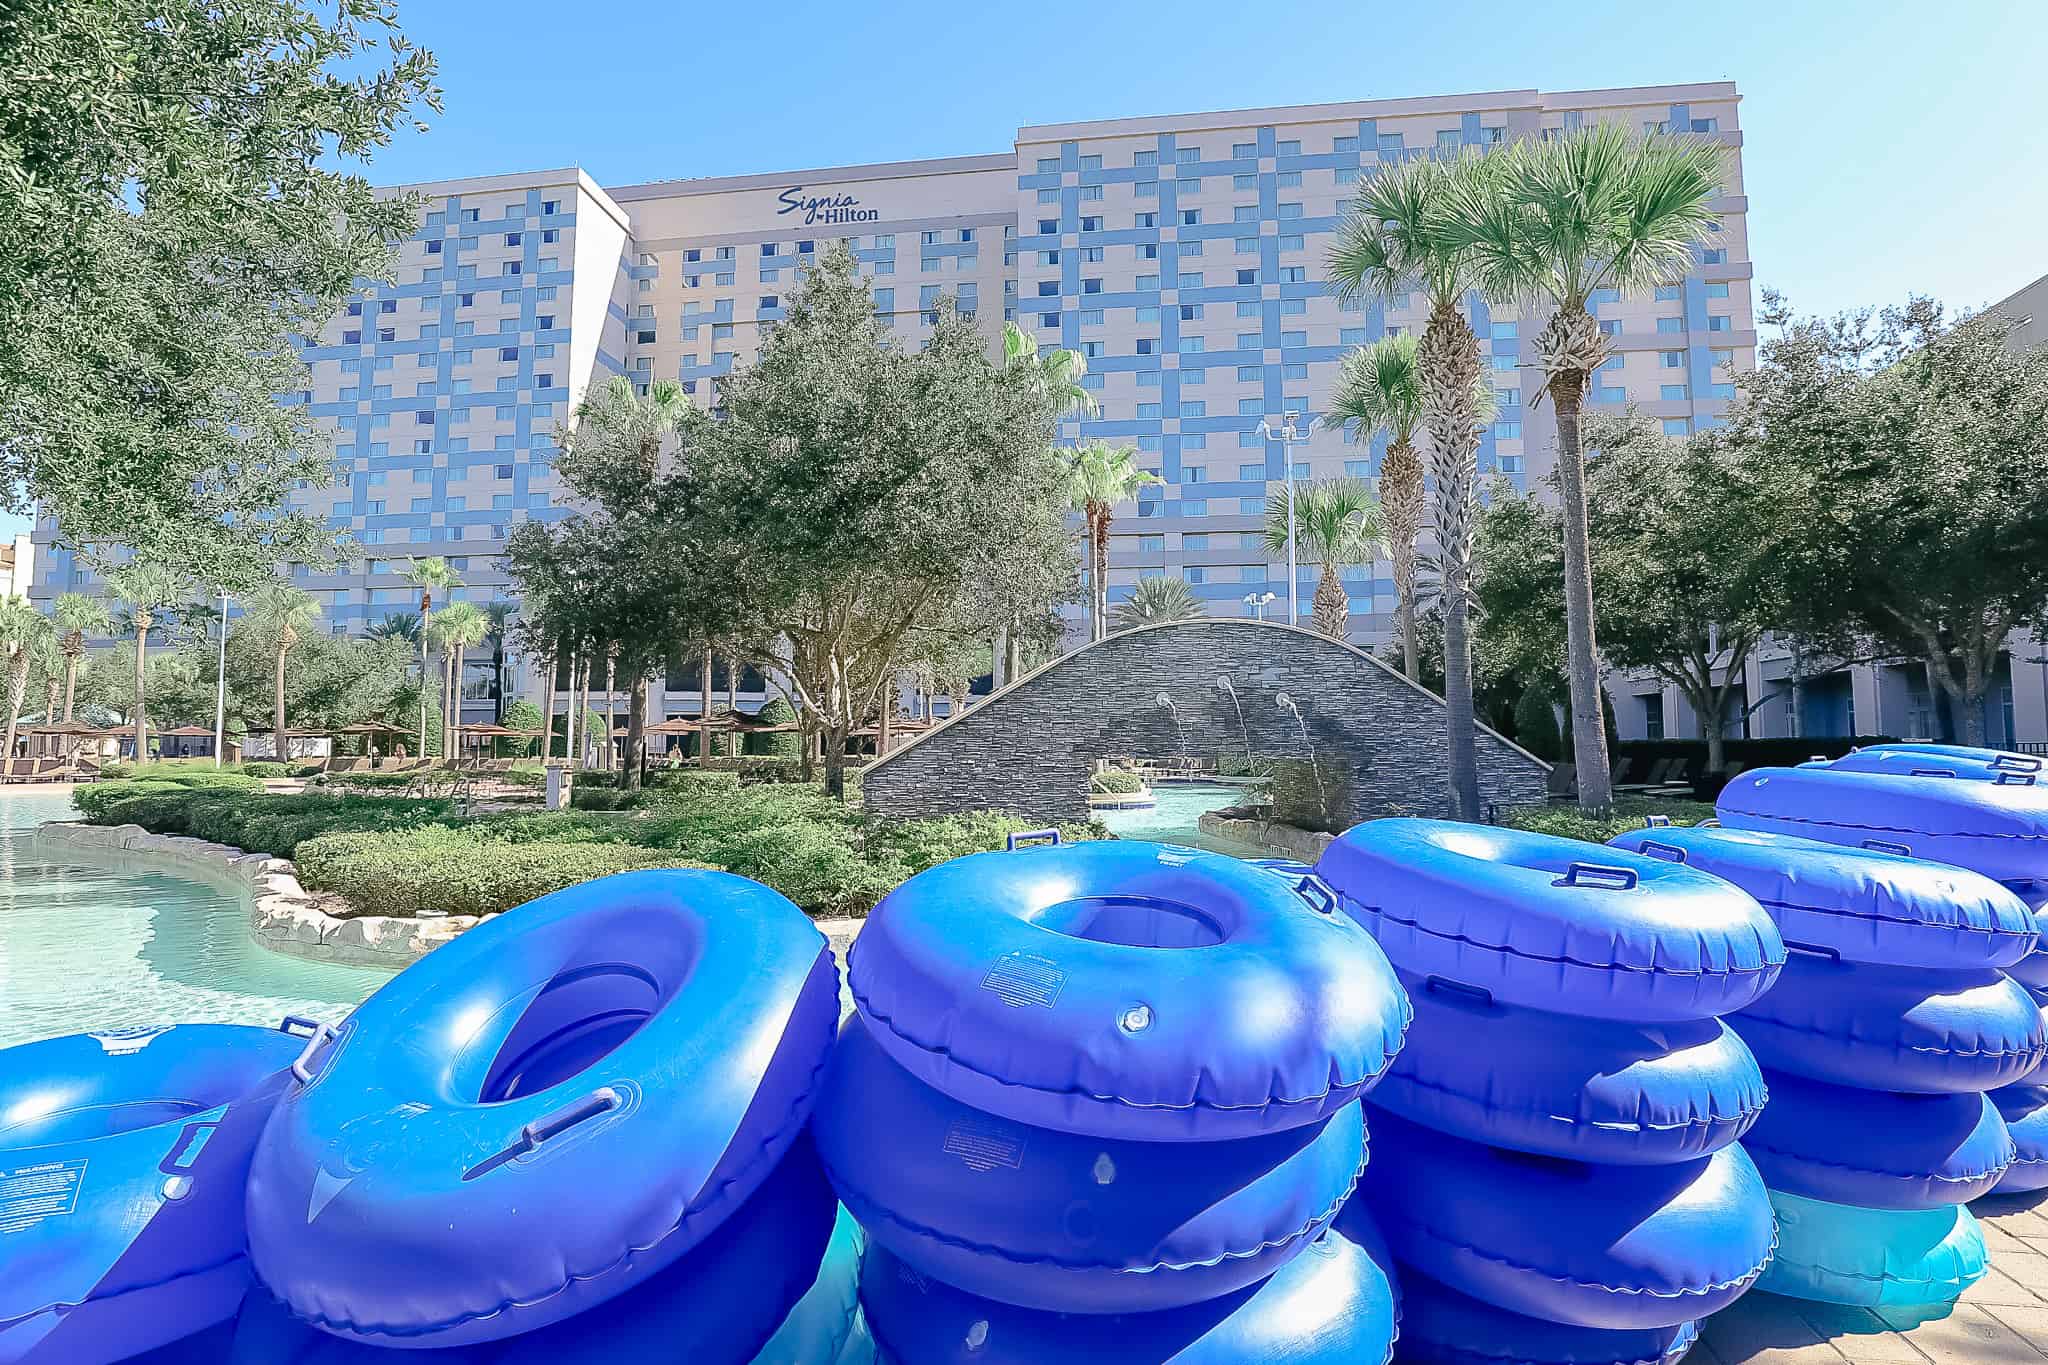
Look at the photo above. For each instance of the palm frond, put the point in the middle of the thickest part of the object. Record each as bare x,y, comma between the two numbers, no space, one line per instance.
1157,601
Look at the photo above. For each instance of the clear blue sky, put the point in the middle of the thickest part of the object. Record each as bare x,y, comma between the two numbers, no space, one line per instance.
1891,147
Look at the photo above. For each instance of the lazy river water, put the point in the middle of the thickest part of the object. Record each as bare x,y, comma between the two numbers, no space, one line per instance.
92,941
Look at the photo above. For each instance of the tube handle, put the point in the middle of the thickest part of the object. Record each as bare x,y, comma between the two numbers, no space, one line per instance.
321,1035
1602,875
1888,846
1657,848
2016,763
602,1100
1030,836
1317,894
2014,779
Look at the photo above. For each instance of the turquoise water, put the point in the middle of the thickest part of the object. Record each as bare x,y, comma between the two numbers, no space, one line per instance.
90,941
1174,819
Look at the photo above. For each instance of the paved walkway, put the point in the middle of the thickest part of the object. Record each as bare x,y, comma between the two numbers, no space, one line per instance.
2002,1320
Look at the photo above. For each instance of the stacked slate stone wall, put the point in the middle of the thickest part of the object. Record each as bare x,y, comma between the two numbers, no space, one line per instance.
1029,748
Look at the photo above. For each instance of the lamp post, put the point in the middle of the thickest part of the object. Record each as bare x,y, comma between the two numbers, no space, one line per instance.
220,684
1288,434
1257,602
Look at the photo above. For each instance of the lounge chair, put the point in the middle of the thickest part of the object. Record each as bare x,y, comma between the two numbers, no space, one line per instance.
1563,782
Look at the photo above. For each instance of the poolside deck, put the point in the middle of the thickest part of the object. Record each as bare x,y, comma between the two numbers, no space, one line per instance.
2003,1320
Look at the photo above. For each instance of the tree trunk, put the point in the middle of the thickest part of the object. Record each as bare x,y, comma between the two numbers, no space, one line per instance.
70,683
1449,361
835,761
569,718
704,707
142,621
498,680
1706,712
1971,703
1332,609
583,710
50,700
636,732
1798,721
1101,575
1582,663
547,723
277,703
807,751
611,705
424,670
732,700
1403,503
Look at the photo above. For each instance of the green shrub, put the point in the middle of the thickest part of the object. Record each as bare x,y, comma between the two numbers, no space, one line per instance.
784,744
601,798
458,871
534,776
1627,813
1536,723
816,865
919,844
262,768
1116,782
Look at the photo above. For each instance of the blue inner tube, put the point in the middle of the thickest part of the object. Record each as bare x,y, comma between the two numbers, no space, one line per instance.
1878,1150
1127,989
1617,1247
1834,1253
1591,1090
1440,1326
124,1157
1335,1304
545,1111
1997,828
1939,760
1552,924
1861,905
2025,1110
1895,1028
1060,1221
776,1276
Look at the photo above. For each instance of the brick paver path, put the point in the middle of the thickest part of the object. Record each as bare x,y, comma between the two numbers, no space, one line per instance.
2002,1320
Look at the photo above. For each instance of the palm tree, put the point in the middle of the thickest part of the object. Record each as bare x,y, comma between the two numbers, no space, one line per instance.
457,627
1596,209
499,614
1099,477
1157,601
1379,389
623,422
77,615
397,625
1337,522
47,655
1408,231
283,612
1056,373
20,625
433,575
147,588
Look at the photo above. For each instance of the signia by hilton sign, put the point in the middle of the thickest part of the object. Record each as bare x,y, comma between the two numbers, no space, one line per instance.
824,208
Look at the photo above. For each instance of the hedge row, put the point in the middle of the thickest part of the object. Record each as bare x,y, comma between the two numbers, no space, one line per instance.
386,855
1627,813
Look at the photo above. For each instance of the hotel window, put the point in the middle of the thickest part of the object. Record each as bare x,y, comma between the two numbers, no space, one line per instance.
1672,393
1148,313
351,338
1718,291
1292,243
1194,507
885,300
1148,411
1048,196
1185,155
1251,407
1288,180
1671,360
1151,545
1704,125
1241,150
1147,219
1394,143
1091,163
1247,277
1091,317
1048,258
1148,379
1507,431
1290,210
1293,307
1190,217
1293,339
1493,135
1293,274
1147,346
1146,189
471,215
1247,308
1147,283
1193,407
1667,293
1048,163
1351,336
549,206
1091,223
1677,426
1501,362
1295,370
1245,213
1249,341
508,353
1194,440
1191,345
1092,285
1048,319
931,263
770,301
1048,227
1247,246
1344,144
1250,440
387,334
1289,147
1145,158
1244,182
1449,139
1190,311
1720,390
1251,507
1347,175
1512,398
1250,374
1090,253
1719,322
1358,469
1724,360
1714,256
1090,193
1187,187
1188,279
1188,249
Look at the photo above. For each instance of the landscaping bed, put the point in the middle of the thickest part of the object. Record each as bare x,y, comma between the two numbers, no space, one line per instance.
385,855
1627,813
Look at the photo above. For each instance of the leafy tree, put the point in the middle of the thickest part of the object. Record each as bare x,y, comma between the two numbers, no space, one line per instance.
77,615
1056,373
522,715
1337,522
864,490
147,587
1380,389
775,711
1902,453
1595,209
182,202
459,626
1158,600
1099,478
1411,229
283,612
1536,723
396,625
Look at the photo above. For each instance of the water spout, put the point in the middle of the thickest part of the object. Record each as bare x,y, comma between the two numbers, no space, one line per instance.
1286,703
1242,728
1180,728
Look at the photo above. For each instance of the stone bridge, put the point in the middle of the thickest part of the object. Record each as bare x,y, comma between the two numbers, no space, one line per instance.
1029,747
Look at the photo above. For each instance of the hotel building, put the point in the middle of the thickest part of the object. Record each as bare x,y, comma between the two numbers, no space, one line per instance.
1183,255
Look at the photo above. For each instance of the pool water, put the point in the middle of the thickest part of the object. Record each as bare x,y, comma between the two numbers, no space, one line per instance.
92,940
1175,819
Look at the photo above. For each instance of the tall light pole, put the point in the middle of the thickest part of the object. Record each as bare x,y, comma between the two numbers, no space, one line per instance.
1288,434
220,685
1257,602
